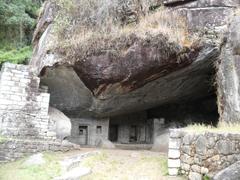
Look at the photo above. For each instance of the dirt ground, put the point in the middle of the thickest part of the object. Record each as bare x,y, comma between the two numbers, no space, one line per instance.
119,164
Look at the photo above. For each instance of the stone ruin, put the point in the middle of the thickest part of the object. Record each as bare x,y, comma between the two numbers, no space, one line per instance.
24,122
126,104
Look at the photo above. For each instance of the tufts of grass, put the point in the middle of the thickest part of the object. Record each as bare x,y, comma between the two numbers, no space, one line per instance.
91,27
17,170
221,127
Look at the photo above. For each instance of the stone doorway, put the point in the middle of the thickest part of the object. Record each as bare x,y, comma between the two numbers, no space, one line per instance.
83,135
113,133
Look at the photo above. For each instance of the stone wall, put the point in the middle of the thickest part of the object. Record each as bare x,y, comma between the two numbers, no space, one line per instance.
144,127
23,107
198,154
92,133
24,122
12,149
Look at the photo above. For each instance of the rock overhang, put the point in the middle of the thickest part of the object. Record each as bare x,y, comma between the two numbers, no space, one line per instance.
148,73
70,94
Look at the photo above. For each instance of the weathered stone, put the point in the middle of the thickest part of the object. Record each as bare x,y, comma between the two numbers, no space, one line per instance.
204,170
188,150
105,144
194,176
196,168
230,173
175,133
174,163
225,147
185,166
201,145
188,139
174,143
228,75
173,171
173,153
63,123
36,159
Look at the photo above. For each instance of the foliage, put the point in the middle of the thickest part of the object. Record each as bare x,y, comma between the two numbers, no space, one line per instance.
18,12
18,170
17,21
17,56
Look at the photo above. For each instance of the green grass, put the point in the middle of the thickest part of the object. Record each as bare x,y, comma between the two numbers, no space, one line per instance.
222,127
18,171
16,56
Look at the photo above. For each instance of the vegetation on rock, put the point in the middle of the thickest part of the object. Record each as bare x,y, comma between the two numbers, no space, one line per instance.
94,27
221,127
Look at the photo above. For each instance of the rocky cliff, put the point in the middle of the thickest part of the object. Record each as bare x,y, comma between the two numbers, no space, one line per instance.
106,58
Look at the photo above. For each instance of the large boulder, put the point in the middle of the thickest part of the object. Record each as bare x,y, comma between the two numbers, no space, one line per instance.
105,144
133,69
63,123
230,173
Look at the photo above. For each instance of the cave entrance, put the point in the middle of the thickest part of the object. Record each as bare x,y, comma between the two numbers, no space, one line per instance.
150,128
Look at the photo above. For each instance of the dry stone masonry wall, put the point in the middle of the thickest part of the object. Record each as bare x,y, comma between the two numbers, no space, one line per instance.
23,108
25,126
199,154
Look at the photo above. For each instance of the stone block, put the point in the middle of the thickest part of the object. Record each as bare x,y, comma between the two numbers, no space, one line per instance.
173,171
201,145
173,153
204,170
176,133
174,143
225,147
196,168
174,163
185,166
188,139
194,176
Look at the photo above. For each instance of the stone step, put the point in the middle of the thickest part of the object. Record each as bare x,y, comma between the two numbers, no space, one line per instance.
74,174
72,162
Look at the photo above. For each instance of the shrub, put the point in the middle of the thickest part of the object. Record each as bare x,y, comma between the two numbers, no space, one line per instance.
17,56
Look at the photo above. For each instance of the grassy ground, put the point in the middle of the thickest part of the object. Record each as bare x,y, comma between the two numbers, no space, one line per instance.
222,127
19,171
107,165
127,165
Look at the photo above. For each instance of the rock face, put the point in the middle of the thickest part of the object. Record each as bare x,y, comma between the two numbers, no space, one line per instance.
105,144
140,77
228,75
230,173
63,123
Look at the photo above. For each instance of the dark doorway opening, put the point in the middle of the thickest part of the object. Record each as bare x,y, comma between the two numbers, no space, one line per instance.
113,133
133,133
83,135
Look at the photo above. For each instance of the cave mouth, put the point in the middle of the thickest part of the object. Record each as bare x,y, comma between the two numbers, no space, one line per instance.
146,126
